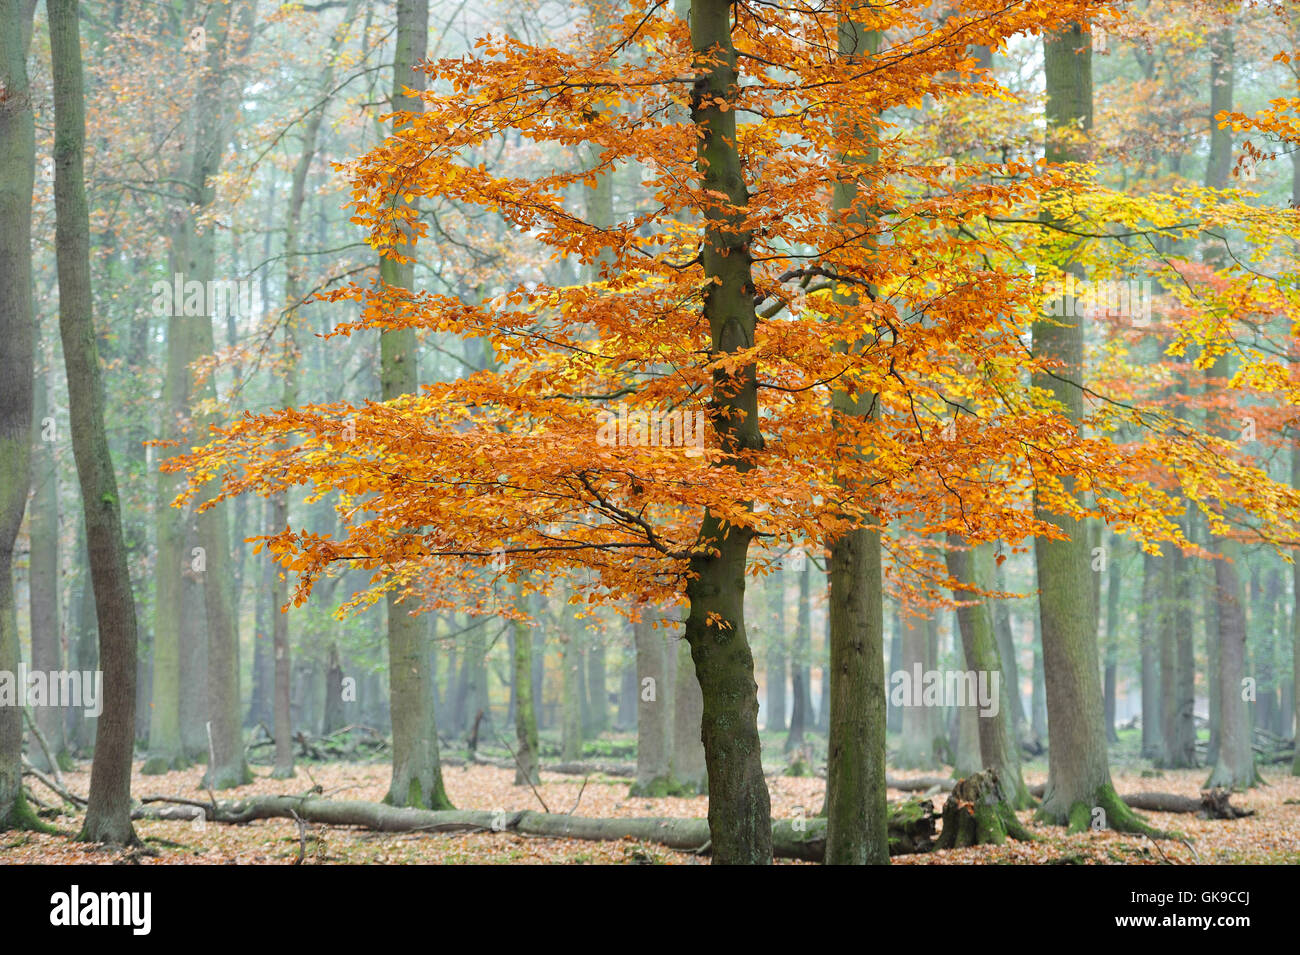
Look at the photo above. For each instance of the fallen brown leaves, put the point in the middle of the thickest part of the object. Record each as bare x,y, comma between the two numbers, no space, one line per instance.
1271,836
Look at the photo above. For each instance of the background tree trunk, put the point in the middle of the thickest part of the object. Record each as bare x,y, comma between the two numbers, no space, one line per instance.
17,178
526,757
43,577
999,749
653,726
800,688
689,771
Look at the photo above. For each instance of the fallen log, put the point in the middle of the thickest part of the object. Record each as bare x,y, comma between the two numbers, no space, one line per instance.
1212,803
920,783
912,824
622,770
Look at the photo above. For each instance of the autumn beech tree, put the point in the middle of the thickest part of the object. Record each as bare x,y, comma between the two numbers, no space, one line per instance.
851,332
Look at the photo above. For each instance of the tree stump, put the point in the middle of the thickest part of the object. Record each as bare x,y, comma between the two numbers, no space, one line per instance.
977,813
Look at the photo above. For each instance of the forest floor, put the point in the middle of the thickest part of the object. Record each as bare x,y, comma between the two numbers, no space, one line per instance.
1272,835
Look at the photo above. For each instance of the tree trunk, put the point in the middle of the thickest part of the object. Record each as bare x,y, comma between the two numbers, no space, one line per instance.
1038,697
43,575
570,692
17,178
1235,766
1168,658
525,716
627,693
108,808
740,818
597,694
999,749
653,739
417,773
800,690
261,708
964,740
334,718
194,659
84,646
775,675
856,808
1112,642
916,748
1182,740
1078,771
688,771
893,664
1148,631
1010,662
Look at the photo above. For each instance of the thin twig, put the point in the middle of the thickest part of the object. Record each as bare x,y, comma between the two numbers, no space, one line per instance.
523,772
579,799
302,837
45,748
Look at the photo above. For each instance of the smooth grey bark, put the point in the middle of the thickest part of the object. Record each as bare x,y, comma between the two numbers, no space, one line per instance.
999,749
1149,639
775,676
417,771
654,712
526,756
1112,642
894,660
1010,661
627,693
916,748
689,770
571,694
1181,744
1078,770
1235,765
1168,659
43,574
800,686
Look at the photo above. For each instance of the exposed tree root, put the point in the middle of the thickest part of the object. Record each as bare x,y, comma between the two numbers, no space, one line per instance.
1104,811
